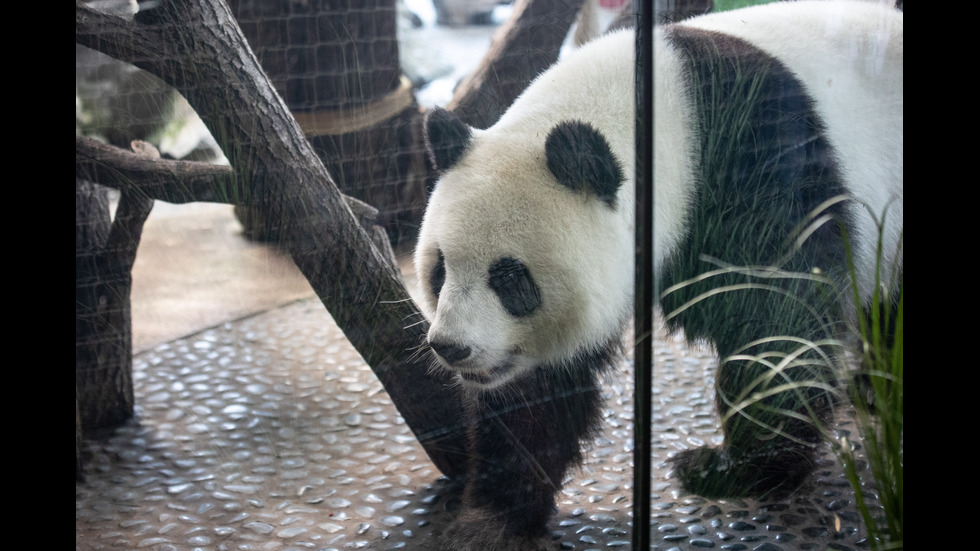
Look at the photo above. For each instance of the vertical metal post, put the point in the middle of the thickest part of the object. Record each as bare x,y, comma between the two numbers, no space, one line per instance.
644,282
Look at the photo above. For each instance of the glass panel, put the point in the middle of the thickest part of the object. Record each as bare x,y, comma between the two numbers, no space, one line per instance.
390,303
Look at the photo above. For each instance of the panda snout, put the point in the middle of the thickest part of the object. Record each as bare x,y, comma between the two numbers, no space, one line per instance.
450,352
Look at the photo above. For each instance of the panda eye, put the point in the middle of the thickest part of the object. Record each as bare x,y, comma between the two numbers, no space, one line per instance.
438,275
512,282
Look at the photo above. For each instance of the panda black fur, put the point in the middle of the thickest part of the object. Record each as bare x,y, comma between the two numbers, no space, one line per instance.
763,117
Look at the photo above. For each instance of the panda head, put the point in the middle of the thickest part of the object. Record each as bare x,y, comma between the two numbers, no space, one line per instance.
524,257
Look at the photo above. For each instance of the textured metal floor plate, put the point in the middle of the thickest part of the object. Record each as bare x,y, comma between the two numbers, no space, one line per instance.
270,433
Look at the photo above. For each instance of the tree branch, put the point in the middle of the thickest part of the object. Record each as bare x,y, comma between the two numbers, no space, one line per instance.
161,179
179,182
197,47
119,38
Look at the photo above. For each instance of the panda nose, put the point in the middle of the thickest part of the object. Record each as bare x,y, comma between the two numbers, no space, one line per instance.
450,352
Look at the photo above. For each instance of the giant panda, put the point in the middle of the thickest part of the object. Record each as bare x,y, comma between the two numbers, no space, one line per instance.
778,148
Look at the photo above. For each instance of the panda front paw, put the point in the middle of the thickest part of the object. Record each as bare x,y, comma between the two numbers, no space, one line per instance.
476,530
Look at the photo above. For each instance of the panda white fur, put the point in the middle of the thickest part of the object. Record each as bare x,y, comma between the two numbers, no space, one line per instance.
525,255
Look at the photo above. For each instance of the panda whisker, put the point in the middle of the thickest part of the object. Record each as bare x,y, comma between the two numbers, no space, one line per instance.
399,301
411,325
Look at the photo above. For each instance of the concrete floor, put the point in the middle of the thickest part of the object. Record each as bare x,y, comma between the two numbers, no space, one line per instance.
194,270
258,427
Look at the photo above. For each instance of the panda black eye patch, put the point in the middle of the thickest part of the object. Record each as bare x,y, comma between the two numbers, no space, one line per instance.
437,277
511,280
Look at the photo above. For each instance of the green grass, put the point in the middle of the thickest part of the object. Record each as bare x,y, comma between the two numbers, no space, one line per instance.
726,5
879,405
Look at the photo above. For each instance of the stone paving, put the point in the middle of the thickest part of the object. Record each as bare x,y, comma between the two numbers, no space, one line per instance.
270,433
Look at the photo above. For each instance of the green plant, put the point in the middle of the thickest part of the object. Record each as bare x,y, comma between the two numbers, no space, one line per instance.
726,5
878,395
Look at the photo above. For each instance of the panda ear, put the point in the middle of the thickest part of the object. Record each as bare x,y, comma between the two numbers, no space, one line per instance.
581,159
446,138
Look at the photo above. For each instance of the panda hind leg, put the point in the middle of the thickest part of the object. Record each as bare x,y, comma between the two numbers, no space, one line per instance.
714,473
770,443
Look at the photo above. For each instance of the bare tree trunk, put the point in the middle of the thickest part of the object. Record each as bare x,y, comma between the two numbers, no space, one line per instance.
79,460
665,11
104,256
530,42
197,47
669,11
522,48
